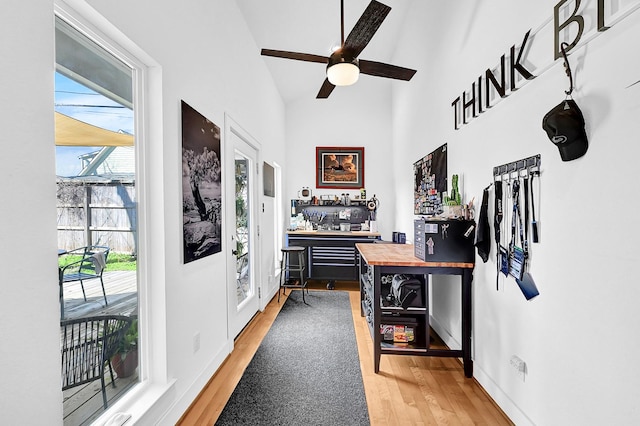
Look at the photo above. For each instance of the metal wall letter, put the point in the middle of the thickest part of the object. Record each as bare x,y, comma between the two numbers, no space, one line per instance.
516,65
474,101
455,104
578,19
471,102
491,78
601,24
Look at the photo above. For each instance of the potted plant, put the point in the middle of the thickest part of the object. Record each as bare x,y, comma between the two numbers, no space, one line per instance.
453,202
125,360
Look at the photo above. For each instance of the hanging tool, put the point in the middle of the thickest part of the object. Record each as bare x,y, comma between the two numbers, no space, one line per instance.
515,194
516,253
483,237
525,281
525,243
534,223
497,224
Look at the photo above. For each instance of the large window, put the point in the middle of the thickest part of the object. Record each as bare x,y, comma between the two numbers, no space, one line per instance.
97,222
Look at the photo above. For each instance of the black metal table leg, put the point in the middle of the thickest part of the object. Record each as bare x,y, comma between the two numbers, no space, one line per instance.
467,278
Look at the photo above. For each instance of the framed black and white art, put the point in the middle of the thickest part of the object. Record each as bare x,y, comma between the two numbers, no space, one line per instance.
201,185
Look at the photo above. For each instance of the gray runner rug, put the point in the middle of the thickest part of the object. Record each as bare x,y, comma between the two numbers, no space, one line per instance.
306,370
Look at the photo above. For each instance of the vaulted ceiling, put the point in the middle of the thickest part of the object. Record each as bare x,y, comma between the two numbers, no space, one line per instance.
313,26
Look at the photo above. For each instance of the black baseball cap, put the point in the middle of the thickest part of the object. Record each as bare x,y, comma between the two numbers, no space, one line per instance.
564,125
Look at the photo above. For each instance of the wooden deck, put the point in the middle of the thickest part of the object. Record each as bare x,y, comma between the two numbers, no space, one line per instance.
122,295
83,404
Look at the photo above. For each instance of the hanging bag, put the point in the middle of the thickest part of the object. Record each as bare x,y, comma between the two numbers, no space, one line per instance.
406,291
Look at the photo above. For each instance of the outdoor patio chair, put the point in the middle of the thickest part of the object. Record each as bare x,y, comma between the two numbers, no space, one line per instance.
90,266
87,345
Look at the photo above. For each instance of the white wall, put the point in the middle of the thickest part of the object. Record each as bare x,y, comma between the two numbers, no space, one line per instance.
579,336
359,121
200,52
29,310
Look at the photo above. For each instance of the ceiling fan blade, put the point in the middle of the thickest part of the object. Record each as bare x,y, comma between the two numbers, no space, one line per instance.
325,90
380,69
366,27
294,55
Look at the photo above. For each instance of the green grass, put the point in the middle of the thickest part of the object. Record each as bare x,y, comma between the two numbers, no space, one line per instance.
121,262
115,261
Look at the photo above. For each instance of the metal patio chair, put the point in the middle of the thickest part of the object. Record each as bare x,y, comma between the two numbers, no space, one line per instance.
90,266
87,345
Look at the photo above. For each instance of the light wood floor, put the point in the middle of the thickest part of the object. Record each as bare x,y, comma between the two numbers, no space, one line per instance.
408,390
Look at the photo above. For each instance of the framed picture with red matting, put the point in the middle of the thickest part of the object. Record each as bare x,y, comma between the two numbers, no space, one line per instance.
339,167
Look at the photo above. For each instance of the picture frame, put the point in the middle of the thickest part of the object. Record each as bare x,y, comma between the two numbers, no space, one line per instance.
268,180
201,185
340,167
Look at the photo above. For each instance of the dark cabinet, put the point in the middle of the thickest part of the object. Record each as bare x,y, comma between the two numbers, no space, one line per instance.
402,330
330,256
333,262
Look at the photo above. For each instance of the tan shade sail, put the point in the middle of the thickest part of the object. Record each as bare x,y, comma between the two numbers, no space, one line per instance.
72,132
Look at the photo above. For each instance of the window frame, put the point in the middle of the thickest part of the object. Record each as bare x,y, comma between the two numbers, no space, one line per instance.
147,98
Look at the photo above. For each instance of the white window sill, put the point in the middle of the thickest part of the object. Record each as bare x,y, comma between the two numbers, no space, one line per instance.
143,401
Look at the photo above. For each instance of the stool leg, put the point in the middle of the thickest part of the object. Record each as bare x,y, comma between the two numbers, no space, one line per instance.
303,283
282,265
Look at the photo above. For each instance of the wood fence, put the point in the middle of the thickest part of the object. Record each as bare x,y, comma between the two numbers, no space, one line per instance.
101,212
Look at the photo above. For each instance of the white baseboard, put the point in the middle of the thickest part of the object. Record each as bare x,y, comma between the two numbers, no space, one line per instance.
496,393
501,398
173,414
444,334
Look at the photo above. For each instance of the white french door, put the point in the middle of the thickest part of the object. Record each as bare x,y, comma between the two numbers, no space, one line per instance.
243,265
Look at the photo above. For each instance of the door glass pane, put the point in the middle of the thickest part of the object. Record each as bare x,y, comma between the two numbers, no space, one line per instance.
243,265
96,224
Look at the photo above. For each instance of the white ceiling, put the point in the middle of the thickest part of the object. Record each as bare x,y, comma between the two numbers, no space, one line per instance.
313,26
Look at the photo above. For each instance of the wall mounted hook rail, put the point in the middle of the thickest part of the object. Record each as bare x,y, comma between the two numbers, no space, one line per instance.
515,169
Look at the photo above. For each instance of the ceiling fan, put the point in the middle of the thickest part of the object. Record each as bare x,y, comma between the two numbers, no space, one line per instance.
343,65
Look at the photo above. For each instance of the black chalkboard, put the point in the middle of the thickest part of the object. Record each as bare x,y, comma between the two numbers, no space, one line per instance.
430,182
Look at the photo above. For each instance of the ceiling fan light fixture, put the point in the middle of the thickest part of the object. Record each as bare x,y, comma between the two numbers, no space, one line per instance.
342,70
343,66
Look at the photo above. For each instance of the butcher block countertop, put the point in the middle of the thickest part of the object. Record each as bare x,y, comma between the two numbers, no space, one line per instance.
400,255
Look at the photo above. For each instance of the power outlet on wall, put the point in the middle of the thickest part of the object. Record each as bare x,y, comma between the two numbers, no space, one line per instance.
196,342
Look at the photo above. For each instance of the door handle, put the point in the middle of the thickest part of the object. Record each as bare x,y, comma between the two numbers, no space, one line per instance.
234,252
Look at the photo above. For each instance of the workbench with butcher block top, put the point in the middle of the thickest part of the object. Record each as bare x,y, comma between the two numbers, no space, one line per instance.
378,262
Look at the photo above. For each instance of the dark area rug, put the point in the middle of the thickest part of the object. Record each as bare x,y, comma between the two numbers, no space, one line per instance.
306,371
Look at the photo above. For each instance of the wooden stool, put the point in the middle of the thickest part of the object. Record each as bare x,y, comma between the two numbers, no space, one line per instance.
288,271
